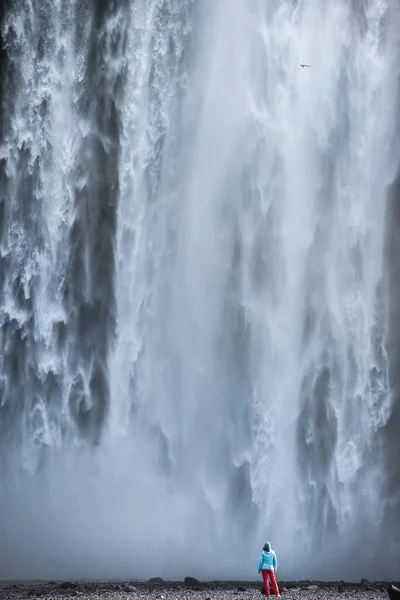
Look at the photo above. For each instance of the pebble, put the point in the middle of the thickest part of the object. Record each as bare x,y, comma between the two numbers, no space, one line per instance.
195,590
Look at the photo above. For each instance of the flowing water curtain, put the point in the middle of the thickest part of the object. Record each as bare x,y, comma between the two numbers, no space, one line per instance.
61,129
193,283
38,151
333,220
298,257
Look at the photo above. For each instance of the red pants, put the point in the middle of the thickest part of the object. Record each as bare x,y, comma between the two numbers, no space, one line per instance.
269,572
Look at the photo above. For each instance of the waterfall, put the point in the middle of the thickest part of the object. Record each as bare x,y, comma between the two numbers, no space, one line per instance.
199,287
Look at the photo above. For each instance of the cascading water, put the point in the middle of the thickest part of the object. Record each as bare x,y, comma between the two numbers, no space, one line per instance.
198,288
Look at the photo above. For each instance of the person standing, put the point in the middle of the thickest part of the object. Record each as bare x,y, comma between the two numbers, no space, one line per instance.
267,566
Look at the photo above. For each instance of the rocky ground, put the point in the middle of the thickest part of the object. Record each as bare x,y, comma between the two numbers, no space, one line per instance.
191,589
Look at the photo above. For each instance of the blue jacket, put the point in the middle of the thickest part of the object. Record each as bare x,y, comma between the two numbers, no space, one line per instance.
267,561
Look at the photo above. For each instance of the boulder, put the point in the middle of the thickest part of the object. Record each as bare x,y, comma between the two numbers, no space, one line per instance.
156,580
192,581
68,585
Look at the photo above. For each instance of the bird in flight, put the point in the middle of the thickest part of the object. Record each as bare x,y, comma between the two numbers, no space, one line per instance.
305,66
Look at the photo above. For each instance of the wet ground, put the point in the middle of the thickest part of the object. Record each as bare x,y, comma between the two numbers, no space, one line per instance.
193,590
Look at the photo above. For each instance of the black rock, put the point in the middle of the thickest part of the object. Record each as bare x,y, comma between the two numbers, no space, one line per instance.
292,585
192,581
68,585
156,580
241,588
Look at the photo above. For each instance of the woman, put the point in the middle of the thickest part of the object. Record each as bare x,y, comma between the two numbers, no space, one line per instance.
267,566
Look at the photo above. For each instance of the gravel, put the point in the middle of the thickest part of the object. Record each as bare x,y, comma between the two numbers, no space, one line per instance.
191,589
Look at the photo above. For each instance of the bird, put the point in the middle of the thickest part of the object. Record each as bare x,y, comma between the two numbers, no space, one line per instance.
305,66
